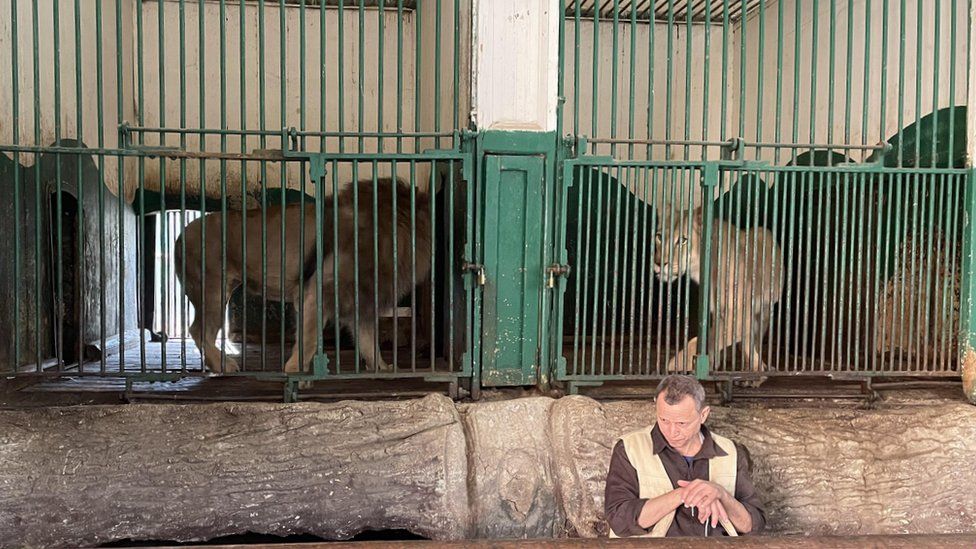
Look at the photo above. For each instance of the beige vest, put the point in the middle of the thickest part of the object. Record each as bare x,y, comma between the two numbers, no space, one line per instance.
654,480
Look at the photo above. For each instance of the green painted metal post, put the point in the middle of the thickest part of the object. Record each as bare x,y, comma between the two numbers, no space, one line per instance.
710,178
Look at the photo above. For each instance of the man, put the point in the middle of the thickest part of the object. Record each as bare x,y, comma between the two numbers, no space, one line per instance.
678,478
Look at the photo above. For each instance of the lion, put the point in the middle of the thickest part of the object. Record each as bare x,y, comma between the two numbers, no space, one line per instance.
746,280
341,249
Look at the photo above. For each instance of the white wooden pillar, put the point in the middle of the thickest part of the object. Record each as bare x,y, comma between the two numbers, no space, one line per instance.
515,66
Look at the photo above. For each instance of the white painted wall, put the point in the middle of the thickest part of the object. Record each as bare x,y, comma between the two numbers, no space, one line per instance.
517,60
59,114
649,66
160,85
830,124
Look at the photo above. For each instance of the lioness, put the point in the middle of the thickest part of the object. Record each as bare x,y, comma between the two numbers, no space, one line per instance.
375,273
746,281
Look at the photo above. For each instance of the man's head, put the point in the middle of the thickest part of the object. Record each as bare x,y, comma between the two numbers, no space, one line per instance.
681,409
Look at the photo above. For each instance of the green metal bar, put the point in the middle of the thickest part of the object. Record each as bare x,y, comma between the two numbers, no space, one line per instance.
706,76
634,281
396,261
80,238
743,40
650,76
779,79
361,33
725,66
594,102
687,184
323,86
184,310
418,64
161,52
865,91
438,46
658,192
616,264
399,103
957,182
380,50
302,123
925,302
596,264
760,106
120,189
710,180
579,324
457,67
242,12
920,18
645,312
832,65
342,81
335,268
604,245
140,226
797,25
59,207
15,130
814,48
413,264
688,54
884,68
848,81
952,78
376,264
282,181
201,64
576,70
35,66
613,74
262,124
223,176
355,257
433,255
901,81
669,85
450,264
633,80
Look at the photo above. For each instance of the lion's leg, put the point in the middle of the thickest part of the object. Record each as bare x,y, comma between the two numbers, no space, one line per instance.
307,329
751,343
684,360
367,347
208,320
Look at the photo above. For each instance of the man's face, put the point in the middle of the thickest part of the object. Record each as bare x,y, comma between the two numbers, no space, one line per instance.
679,422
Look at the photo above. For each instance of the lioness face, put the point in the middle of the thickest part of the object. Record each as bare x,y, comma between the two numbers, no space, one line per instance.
676,247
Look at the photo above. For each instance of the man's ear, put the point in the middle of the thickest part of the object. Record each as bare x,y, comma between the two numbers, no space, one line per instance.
704,413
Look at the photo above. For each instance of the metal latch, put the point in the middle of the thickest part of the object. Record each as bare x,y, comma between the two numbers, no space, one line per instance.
555,270
476,268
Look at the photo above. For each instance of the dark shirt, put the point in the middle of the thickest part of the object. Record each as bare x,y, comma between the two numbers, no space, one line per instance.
623,504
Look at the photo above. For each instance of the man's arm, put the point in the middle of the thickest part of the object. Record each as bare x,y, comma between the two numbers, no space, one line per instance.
627,513
743,508
746,495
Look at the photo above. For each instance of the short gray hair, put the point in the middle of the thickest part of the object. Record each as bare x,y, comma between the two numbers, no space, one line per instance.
676,387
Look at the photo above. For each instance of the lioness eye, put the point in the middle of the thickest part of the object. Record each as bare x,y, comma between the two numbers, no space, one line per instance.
682,241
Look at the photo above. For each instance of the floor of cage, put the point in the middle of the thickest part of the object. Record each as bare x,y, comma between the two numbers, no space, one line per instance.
98,382
183,356
633,358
